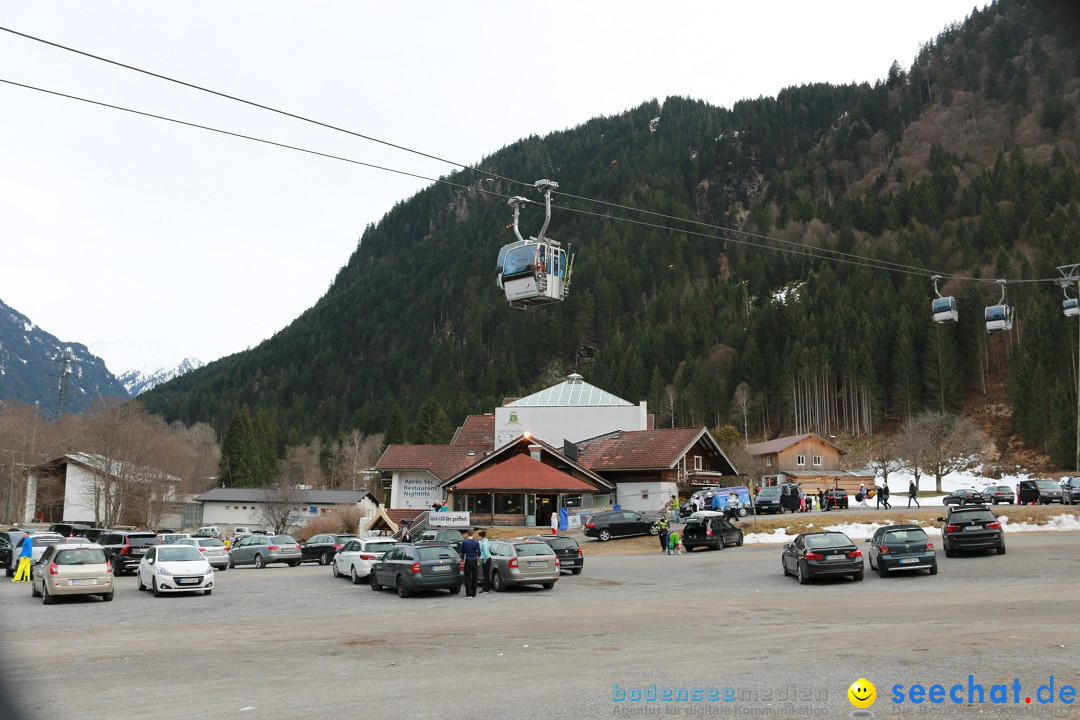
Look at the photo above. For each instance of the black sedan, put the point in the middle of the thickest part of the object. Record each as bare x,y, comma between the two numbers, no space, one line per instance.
323,547
412,568
822,554
619,523
710,529
965,496
901,547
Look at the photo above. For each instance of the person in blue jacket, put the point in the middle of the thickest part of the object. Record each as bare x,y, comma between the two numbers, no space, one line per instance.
26,554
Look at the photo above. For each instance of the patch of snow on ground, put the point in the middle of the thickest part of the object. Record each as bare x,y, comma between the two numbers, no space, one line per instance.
862,532
1057,523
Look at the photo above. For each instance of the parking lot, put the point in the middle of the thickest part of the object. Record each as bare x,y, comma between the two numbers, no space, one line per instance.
297,643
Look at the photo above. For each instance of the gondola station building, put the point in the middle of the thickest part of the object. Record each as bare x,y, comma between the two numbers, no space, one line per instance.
566,448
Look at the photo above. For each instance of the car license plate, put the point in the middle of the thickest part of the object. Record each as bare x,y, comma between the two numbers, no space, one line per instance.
440,568
835,557
909,561
85,581
187,581
969,528
537,564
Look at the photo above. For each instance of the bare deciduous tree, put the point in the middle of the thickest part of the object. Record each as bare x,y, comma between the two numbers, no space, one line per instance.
277,506
740,402
938,443
884,457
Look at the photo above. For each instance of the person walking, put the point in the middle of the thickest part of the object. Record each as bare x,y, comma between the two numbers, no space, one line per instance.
26,554
878,497
862,496
912,492
555,521
885,495
470,552
485,560
662,533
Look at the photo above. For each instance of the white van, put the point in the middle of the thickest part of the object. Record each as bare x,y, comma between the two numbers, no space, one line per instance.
207,531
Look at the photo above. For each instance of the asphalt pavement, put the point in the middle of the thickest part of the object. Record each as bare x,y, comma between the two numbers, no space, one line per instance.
298,643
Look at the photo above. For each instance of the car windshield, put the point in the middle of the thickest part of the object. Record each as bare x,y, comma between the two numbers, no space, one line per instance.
178,553
46,540
769,492
210,542
437,553
908,535
378,547
973,516
139,540
561,543
80,556
282,540
533,549
827,540
1046,485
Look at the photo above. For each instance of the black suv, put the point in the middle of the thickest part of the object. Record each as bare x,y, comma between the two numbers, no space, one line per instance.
1042,492
836,499
777,499
76,530
125,548
710,529
619,523
442,537
1070,490
566,549
971,527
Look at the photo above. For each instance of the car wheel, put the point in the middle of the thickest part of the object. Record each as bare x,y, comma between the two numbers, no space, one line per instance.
333,569
576,571
402,591
375,587
870,559
294,563
259,564
653,530
882,571
353,576
33,589
497,583
140,585
803,579
456,590
739,542
324,559
208,591
157,593
783,566
742,512
604,535
547,586
46,598
949,552
933,569
107,597
1001,549
223,568
857,577
232,563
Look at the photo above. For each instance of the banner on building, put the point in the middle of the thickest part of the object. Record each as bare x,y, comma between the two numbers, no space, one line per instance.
448,519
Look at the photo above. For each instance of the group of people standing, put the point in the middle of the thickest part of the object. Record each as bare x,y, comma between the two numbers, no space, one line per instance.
477,557
670,540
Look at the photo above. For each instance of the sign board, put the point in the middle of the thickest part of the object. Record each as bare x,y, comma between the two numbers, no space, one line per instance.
573,522
448,519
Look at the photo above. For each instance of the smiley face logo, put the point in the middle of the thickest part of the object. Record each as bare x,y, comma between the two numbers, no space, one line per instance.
862,693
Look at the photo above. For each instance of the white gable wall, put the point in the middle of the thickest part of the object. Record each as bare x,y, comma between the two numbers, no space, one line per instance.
553,425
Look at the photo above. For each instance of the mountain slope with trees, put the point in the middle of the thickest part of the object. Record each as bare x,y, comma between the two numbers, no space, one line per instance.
964,164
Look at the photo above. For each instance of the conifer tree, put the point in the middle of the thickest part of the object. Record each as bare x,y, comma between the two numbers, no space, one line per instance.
395,429
431,426
238,450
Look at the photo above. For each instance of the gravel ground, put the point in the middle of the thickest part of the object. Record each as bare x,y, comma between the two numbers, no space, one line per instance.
297,643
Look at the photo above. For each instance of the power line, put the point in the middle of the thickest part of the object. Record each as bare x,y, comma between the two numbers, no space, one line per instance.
822,253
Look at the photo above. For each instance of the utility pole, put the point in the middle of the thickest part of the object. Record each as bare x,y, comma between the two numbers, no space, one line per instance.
1070,275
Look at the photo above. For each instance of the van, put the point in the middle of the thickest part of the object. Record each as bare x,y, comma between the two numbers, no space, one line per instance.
207,531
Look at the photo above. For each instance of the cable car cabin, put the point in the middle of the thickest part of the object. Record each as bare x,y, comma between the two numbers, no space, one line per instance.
1070,307
944,309
998,317
533,273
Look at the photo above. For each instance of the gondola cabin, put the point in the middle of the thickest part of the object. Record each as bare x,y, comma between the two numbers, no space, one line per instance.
1071,307
944,309
998,317
533,273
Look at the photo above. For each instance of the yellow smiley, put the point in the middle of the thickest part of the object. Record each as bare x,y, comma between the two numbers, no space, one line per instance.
862,693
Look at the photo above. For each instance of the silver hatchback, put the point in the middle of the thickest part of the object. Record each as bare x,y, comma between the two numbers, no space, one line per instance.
261,550
212,549
523,562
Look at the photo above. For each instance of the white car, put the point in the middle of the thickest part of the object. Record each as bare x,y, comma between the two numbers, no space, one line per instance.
175,568
356,558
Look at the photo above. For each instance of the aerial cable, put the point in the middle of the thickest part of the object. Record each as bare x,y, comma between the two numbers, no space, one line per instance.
252,138
259,105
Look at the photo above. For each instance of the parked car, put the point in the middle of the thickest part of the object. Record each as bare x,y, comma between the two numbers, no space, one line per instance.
972,527
836,499
567,550
964,496
1041,492
619,523
901,547
207,531
741,506
5,550
40,541
357,556
412,568
448,537
523,562
711,529
125,548
1070,490
175,568
262,550
323,547
822,554
171,538
777,499
73,529
212,549
995,494
13,536
72,569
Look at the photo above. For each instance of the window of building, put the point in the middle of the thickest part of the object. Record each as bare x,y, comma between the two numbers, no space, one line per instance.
644,494
228,507
510,503
768,461
800,459
697,462
477,503
817,460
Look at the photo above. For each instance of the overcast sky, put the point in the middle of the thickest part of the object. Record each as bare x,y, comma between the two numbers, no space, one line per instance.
152,242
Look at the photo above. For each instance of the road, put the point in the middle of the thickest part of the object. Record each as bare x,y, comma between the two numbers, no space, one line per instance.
297,643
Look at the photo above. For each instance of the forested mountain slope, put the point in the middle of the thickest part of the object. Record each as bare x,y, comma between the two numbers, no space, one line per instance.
964,164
